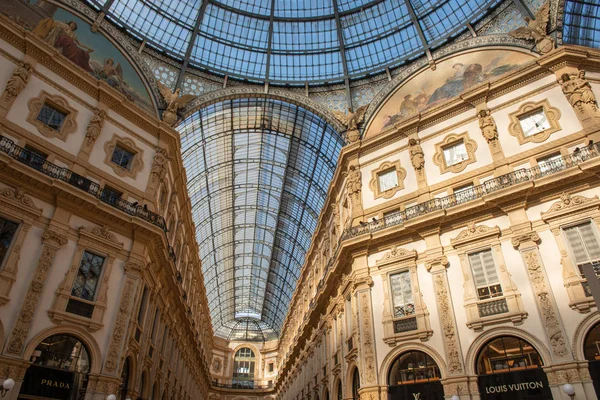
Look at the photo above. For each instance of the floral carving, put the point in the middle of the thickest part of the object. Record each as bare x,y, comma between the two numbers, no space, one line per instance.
567,202
396,254
448,328
119,329
18,194
367,338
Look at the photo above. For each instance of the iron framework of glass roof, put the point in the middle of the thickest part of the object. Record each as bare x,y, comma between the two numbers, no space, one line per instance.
258,173
294,41
582,23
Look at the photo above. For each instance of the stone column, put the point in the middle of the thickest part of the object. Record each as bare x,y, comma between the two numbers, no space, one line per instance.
14,369
369,385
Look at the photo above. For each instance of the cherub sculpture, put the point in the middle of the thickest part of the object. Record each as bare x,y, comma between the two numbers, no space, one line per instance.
174,102
536,30
351,120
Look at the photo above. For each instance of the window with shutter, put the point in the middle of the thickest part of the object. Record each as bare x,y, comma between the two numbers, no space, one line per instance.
387,179
402,295
585,247
485,275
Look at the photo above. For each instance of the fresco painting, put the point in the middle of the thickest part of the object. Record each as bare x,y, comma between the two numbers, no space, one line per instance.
450,78
74,39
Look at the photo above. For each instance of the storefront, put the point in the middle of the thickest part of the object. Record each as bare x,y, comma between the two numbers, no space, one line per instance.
59,371
510,368
415,375
591,351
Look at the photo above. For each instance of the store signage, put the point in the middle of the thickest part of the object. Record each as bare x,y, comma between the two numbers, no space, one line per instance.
48,383
432,390
530,384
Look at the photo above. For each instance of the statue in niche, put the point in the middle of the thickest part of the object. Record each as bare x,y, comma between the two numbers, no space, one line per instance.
488,127
94,127
579,92
417,156
16,83
159,164
351,120
174,102
536,30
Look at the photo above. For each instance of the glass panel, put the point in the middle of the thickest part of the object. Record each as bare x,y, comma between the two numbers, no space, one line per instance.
506,354
583,243
51,116
455,153
591,346
87,277
534,123
387,179
485,275
413,367
122,157
7,233
63,352
402,295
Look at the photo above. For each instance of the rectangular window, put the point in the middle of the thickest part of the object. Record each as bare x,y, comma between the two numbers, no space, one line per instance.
402,295
455,153
86,281
534,122
142,309
271,367
485,275
387,179
7,233
464,193
550,163
584,245
51,116
122,157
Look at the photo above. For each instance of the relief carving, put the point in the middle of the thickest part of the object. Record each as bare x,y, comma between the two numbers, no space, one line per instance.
417,156
367,339
16,84
536,30
159,164
450,339
94,128
579,93
488,127
351,120
119,329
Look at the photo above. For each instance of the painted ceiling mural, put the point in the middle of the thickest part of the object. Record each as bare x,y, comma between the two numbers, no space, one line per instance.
450,78
74,39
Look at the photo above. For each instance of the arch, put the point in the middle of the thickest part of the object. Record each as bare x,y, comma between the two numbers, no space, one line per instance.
258,92
144,386
352,366
355,383
339,390
132,358
155,391
389,359
249,345
71,330
581,333
484,338
325,393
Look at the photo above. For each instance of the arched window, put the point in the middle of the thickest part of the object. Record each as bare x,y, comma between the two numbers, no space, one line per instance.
507,354
125,378
63,360
591,351
510,367
355,384
415,373
326,397
243,368
339,391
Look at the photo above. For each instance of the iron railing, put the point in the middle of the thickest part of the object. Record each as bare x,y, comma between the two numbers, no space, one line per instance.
107,196
501,182
494,307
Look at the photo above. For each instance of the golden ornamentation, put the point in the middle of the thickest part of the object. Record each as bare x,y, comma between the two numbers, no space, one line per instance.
174,102
447,321
68,126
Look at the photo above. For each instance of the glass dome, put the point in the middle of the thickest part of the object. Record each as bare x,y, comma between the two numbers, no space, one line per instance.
294,41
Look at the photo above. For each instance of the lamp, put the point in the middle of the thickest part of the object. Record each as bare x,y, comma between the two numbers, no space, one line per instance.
455,397
111,397
6,386
569,389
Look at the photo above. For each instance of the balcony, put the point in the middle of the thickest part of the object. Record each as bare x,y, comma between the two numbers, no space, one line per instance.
106,196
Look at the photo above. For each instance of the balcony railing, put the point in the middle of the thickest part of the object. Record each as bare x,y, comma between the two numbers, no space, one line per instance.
491,186
244,384
38,163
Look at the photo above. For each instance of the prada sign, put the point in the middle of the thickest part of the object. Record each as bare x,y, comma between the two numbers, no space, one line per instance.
48,383
528,384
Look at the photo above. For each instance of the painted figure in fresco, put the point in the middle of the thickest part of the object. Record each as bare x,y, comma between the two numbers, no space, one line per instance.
471,75
62,36
408,106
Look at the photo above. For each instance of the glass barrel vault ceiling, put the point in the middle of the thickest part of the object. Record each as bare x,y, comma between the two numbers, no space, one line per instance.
294,41
258,172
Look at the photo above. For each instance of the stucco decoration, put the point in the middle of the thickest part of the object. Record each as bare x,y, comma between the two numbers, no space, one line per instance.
120,327
68,126
488,127
94,128
136,163
580,95
16,83
552,115
451,77
159,164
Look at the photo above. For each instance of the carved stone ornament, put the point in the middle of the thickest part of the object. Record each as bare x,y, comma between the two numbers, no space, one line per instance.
552,116
103,234
568,204
351,120
519,239
16,83
120,328
396,255
579,93
354,188
488,127
417,156
440,262
159,164
536,30
18,196
473,233
450,140
366,339
68,126
448,329
94,128
136,163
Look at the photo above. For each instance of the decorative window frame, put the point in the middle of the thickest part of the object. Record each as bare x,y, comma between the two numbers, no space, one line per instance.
394,261
374,183
17,207
136,163
470,147
552,115
481,237
70,124
101,241
569,211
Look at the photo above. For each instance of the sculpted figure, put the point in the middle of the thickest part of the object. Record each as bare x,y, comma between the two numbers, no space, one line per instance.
353,180
94,127
487,125
16,83
578,91
351,120
158,169
536,30
174,102
417,156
